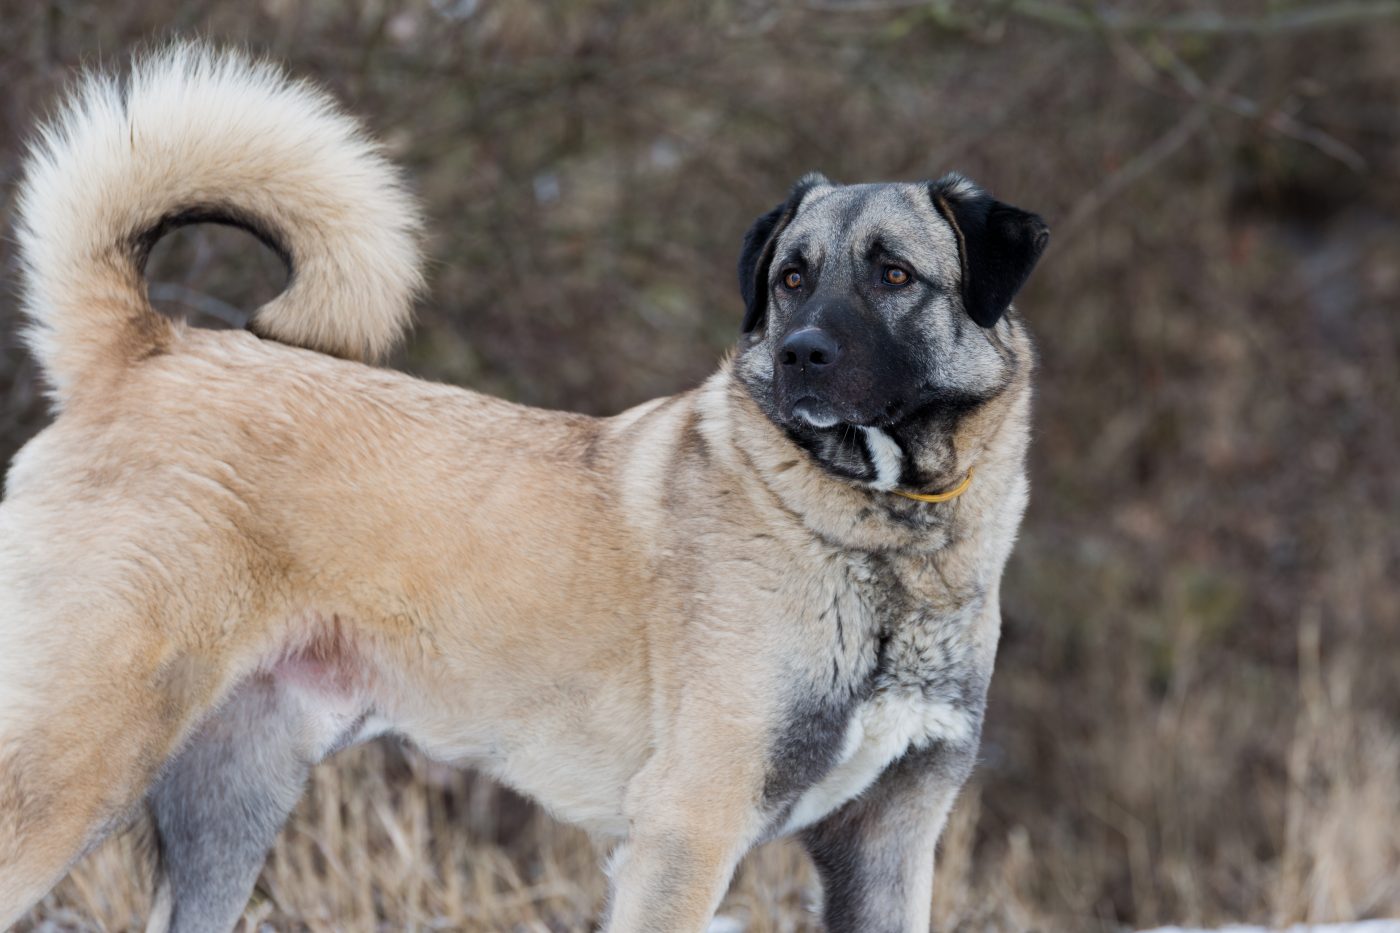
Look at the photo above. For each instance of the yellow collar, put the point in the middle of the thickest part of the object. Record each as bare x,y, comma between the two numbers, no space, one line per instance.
953,493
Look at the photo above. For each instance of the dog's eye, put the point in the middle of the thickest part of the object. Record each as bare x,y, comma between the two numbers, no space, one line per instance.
895,276
792,281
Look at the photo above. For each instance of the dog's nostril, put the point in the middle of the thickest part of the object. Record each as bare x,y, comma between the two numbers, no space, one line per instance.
810,346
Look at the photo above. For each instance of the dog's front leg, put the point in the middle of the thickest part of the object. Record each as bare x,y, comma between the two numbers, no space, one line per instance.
690,826
875,854
671,879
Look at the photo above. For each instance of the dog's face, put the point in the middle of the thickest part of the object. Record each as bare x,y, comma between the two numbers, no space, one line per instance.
873,316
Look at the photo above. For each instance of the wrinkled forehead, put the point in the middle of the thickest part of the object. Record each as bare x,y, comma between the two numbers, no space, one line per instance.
850,222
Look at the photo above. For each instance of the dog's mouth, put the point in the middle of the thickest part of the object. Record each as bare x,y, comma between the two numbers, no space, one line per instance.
813,412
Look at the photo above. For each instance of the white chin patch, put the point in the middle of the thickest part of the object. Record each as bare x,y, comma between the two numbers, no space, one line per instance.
888,458
817,419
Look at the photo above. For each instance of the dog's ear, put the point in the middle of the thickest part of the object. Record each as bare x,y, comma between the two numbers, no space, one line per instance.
998,245
757,254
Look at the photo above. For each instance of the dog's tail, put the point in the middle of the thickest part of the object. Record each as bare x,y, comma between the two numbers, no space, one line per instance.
194,135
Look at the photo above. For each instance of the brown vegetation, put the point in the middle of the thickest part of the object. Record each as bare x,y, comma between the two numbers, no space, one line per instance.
1194,717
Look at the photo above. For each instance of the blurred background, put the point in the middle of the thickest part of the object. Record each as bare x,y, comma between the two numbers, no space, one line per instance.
1194,715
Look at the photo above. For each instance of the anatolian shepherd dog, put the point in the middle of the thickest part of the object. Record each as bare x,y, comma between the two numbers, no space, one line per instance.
764,607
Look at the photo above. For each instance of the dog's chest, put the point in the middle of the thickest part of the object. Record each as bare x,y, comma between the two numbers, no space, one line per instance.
918,688
880,732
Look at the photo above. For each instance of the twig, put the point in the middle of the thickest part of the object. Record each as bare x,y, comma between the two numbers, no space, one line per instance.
197,300
1095,19
1185,77
1319,16
1161,149
1277,120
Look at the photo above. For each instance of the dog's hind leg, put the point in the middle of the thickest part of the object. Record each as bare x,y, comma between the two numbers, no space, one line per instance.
68,777
82,734
119,674
219,805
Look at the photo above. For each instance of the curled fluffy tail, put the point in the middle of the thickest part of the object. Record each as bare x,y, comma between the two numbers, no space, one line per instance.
195,135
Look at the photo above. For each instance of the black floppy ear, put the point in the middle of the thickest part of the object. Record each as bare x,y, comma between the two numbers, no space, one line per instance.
998,245
757,254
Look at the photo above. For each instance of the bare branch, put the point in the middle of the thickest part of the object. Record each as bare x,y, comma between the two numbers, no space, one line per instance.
198,301
1089,18
1281,122
1158,152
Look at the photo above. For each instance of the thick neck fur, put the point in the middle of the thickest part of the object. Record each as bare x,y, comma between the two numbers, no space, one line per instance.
992,440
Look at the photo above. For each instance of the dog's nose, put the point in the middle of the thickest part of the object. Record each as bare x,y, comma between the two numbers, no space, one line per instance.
808,347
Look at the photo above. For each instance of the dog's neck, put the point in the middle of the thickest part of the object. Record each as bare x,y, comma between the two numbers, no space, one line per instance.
992,441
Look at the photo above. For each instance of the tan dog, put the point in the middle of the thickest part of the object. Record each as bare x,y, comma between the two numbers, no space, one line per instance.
707,622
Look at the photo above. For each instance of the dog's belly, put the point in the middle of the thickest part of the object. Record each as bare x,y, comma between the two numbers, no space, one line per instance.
577,771
880,732
580,785
582,789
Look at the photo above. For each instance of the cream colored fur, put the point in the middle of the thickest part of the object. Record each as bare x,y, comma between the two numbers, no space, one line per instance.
193,128
621,617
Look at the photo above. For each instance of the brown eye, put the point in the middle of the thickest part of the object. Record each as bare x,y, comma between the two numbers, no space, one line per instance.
895,276
792,281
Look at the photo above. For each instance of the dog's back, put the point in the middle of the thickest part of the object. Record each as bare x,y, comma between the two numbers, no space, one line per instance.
222,541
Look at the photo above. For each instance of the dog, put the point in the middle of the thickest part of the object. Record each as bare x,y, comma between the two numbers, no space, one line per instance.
764,607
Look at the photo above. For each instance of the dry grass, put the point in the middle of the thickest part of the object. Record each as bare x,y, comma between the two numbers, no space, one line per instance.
386,840
389,841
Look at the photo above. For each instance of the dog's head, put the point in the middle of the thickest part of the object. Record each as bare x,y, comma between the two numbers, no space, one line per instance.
876,318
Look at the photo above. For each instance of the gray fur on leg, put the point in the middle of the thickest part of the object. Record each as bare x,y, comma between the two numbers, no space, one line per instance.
875,854
218,807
